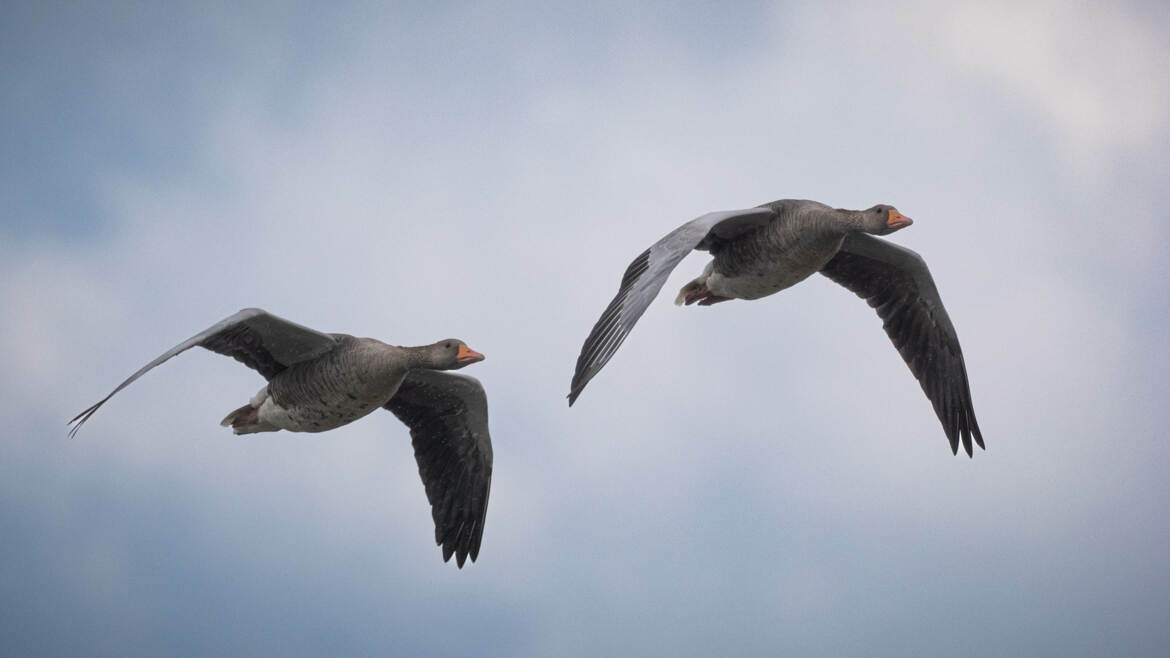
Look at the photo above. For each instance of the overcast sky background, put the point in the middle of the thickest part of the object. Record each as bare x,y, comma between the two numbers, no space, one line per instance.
751,478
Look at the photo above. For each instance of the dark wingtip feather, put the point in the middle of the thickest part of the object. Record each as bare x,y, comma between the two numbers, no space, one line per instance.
952,436
975,431
904,297
79,420
451,547
447,417
599,347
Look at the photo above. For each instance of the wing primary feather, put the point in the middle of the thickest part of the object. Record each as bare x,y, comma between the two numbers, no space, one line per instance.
644,278
897,284
256,338
447,417
596,351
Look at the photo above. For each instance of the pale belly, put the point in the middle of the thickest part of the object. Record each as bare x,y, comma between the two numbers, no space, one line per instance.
327,411
757,284
769,270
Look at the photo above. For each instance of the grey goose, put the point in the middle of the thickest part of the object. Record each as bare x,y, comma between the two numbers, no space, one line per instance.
763,250
319,381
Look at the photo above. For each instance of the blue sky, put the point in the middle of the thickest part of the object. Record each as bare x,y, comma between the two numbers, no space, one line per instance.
752,478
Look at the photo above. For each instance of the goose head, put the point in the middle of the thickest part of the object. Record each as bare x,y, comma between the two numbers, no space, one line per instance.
883,219
450,354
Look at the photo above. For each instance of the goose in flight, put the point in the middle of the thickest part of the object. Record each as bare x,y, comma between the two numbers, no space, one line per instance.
763,250
319,381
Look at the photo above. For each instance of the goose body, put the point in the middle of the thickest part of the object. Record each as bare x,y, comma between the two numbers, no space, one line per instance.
335,389
759,251
792,245
318,382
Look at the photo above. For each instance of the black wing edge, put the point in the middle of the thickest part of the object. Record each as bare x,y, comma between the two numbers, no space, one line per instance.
448,421
211,333
233,336
904,295
609,333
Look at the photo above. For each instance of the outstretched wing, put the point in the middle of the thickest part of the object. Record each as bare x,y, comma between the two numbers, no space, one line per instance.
645,277
448,420
897,283
254,337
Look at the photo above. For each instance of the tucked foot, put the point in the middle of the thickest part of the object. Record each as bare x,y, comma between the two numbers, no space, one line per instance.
246,420
234,418
690,292
697,291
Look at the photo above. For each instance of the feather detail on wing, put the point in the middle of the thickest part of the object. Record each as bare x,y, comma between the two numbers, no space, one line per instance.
448,420
262,341
643,280
896,282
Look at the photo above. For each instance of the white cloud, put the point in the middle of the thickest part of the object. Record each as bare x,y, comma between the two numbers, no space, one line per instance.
1095,73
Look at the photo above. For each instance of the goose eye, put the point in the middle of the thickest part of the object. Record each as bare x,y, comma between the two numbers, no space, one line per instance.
448,346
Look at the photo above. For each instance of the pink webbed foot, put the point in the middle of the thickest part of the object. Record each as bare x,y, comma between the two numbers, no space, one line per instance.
697,292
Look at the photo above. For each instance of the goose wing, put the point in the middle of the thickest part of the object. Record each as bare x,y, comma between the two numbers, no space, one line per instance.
262,341
896,282
448,420
645,277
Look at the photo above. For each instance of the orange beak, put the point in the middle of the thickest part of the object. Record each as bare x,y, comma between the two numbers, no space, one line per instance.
897,220
467,355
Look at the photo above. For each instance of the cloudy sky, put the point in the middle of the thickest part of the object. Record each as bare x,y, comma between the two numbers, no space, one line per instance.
751,478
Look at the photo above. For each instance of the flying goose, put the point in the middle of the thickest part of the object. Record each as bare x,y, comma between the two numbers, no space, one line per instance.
318,381
763,250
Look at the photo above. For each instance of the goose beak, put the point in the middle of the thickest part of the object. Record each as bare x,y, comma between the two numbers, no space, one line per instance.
897,220
467,356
